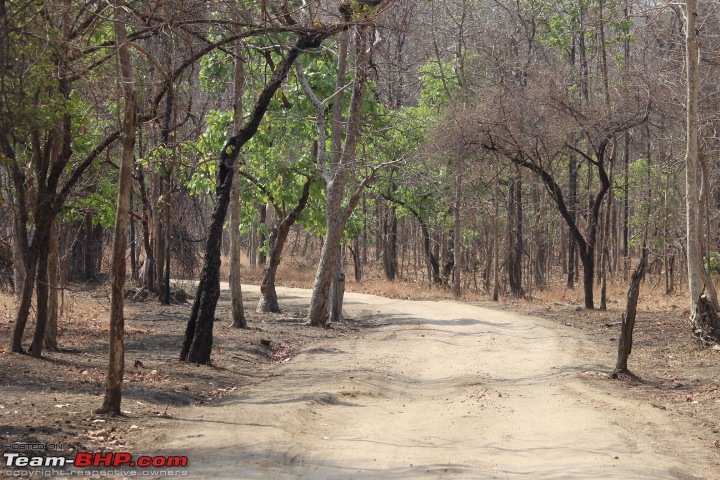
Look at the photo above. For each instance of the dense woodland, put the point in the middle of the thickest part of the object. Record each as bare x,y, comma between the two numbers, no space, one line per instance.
473,145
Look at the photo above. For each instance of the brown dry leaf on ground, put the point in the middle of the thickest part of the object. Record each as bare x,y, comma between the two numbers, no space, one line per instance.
281,353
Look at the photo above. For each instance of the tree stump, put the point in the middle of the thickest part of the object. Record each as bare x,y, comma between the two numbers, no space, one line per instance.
706,322
627,324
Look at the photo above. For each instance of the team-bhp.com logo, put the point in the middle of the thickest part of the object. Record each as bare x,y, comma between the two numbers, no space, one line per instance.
87,460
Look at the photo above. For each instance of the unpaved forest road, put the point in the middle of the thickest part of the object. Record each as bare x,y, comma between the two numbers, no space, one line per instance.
437,390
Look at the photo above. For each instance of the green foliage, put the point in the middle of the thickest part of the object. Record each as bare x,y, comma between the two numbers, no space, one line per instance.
562,22
361,11
437,83
714,262
101,202
215,70
647,189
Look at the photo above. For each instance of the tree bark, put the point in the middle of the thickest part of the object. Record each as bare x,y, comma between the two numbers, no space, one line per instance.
116,367
238,312
261,255
91,248
318,314
572,205
515,236
390,236
496,243
133,246
667,264
278,237
158,202
604,243
50,338
434,265
165,298
357,261
698,278
628,318
19,270
457,259
148,273
41,303
337,292
335,215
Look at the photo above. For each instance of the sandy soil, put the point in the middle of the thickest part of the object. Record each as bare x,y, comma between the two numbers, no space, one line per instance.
434,389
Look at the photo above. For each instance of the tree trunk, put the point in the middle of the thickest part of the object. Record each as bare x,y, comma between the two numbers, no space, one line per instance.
261,255
341,165
337,292
116,367
41,303
540,262
24,304
603,277
669,286
628,318
19,270
496,243
158,232
269,299
457,259
238,312
43,218
278,237
357,261
572,206
133,246
433,264
166,271
698,278
515,238
317,316
50,338
92,248
588,262
604,245
148,267
390,236
252,249
626,207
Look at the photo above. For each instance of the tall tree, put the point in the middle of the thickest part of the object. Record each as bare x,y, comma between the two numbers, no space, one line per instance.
698,278
116,368
336,177
238,312
277,238
44,182
197,344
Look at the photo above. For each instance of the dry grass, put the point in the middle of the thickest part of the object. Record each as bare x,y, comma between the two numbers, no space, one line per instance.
301,275
652,297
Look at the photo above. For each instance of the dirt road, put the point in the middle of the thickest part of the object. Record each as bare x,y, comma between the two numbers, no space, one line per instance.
436,390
